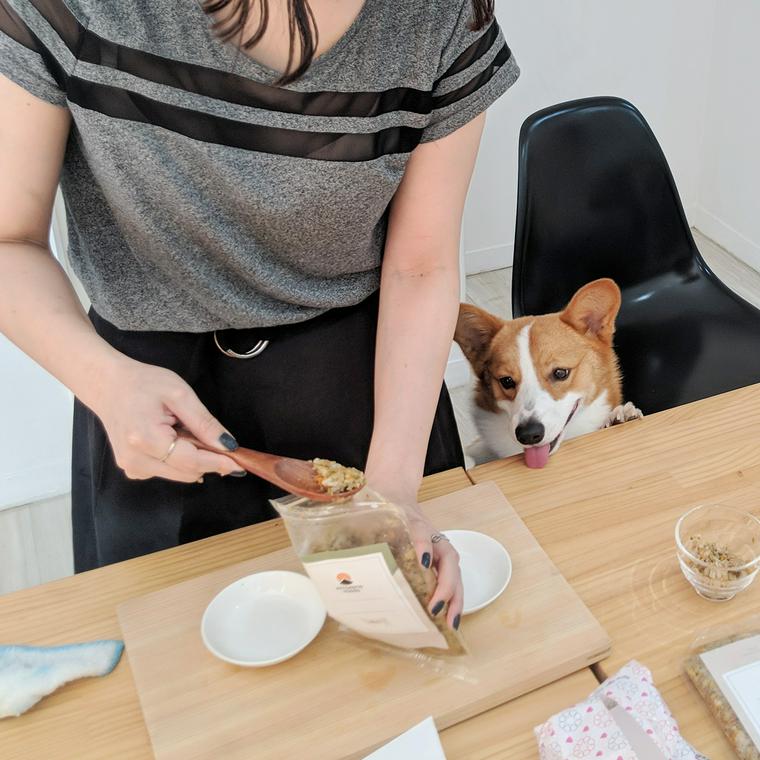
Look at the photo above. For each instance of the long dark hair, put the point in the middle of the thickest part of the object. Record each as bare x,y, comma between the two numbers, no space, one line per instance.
302,25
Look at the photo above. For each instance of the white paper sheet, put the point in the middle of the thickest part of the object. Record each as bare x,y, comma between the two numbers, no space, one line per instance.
420,742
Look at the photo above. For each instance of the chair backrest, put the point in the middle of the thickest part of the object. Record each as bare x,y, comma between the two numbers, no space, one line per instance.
595,199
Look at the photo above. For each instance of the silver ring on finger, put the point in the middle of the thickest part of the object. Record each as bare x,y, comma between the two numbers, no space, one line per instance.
170,450
436,538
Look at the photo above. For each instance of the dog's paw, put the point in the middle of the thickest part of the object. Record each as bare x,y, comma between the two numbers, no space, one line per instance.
624,413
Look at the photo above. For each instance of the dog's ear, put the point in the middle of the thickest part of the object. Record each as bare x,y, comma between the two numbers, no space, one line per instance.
593,309
475,331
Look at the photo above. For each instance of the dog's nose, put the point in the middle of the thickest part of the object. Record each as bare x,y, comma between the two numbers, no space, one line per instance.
530,433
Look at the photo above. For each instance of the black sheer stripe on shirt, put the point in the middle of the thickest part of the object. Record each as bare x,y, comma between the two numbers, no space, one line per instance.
63,21
51,62
476,82
14,27
120,103
233,88
473,53
324,146
90,47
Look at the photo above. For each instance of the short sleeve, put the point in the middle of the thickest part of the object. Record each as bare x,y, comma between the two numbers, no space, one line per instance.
477,67
23,58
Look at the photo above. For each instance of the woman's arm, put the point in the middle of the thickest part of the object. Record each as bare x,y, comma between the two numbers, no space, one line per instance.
419,296
41,314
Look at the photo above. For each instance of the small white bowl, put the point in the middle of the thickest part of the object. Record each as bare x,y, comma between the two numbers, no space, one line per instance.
486,567
263,619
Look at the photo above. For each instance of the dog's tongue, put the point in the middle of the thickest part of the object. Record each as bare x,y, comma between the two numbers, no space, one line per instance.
537,456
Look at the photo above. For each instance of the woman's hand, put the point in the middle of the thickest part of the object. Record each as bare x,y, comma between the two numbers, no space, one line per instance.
139,405
434,550
39,311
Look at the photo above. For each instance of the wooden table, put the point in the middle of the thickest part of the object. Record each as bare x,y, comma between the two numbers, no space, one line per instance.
101,718
506,732
604,509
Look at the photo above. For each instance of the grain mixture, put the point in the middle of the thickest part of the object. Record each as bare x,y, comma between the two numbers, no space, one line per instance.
716,701
392,531
317,528
720,562
335,478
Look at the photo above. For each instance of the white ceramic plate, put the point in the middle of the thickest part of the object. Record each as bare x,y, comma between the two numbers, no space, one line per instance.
263,619
486,567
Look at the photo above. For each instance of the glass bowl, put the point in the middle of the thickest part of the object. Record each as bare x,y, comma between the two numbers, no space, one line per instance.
718,550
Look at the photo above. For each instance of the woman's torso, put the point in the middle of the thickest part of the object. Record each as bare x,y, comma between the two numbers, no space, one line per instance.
202,196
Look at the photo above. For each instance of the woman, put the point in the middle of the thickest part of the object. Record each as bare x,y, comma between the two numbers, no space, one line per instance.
264,203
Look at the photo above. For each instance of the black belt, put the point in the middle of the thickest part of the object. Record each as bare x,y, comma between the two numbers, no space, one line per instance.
246,343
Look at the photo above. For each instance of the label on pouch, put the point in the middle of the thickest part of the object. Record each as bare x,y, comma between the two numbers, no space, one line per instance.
364,589
744,682
736,669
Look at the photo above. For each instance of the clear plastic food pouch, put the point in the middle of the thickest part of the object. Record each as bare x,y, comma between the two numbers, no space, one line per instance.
724,666
359,554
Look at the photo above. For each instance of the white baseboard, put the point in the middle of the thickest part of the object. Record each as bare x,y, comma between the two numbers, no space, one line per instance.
727,237
488,259
457,373
53,478
458,368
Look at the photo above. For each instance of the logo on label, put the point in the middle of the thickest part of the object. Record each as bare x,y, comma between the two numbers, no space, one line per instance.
344,579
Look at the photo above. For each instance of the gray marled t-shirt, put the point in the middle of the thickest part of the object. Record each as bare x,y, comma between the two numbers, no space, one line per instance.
199,195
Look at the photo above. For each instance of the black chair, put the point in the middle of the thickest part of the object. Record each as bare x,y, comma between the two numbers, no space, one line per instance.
596,199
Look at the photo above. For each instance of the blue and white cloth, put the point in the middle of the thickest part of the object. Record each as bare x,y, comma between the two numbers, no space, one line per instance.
27,674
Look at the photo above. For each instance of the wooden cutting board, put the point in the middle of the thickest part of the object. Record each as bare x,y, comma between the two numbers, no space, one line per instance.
336,700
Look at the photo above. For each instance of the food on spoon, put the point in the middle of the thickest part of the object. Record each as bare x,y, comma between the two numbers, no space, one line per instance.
335,478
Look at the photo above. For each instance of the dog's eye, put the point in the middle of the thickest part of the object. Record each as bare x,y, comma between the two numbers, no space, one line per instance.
507,382
560,373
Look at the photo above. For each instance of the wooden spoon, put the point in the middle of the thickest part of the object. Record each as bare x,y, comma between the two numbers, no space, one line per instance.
294,475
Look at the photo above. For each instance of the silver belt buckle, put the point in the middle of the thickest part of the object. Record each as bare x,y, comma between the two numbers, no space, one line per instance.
255,351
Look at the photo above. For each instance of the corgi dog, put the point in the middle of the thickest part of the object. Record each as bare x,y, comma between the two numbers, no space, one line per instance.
540,380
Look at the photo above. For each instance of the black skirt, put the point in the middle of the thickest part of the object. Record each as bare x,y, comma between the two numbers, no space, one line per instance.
308,393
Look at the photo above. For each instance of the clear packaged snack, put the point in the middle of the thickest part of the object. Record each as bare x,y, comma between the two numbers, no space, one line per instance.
724,666
360,555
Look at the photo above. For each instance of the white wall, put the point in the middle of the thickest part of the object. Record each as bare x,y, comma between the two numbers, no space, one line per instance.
697,87
35,419
35,430
654,53
728,201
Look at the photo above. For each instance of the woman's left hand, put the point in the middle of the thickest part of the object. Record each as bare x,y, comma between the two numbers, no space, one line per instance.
433,550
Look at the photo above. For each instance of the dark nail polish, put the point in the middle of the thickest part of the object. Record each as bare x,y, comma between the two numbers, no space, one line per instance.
238,474
228,442
455,624
425,559
438,607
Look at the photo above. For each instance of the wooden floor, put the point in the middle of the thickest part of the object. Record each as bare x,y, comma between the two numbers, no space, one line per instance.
35,539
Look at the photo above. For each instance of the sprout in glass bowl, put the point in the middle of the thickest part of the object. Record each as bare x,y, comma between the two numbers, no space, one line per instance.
718,550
